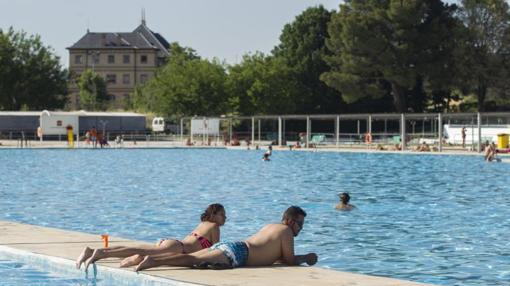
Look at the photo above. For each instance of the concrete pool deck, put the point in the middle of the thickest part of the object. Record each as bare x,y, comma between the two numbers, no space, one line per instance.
447,150
69,244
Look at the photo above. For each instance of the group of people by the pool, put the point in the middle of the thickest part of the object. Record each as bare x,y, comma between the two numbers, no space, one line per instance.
202,248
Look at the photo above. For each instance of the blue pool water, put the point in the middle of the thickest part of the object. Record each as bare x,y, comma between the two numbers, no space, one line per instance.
426,218
16,273
18,267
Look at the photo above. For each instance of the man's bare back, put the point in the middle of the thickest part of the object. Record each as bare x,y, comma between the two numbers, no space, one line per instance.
266,246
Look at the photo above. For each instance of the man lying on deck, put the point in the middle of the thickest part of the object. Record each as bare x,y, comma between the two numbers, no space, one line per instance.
274,242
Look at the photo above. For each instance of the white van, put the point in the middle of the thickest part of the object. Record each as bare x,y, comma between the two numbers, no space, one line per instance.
158,124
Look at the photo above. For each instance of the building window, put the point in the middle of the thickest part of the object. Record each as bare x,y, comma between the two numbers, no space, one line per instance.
59,122
126,78
111,78
77,60
143,59
143,78
126,59
111,59
95,58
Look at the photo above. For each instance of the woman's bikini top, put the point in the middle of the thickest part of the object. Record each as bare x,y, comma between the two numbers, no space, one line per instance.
204,242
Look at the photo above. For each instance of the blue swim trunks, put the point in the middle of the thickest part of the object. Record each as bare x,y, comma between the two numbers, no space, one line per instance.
236,252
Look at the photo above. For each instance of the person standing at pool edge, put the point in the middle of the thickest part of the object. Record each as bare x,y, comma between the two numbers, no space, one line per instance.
344,202
274,242
463,132
93,136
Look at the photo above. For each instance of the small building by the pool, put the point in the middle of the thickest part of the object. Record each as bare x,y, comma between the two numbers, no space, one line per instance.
56,122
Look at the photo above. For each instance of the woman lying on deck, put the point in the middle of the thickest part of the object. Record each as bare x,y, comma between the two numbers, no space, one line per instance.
205,235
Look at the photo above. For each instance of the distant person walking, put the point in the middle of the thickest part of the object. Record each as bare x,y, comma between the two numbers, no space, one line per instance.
344,202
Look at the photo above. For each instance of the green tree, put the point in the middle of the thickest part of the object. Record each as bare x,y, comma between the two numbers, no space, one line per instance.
302,48
262,85
93,93
30,74
386,47
187,85
487,46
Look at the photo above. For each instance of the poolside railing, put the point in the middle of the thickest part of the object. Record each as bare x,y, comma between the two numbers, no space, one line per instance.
365,131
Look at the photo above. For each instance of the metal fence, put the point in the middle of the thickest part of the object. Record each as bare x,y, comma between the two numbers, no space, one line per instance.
416,131
436,131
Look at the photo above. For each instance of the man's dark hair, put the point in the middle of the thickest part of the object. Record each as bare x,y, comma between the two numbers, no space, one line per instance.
293,212
345,198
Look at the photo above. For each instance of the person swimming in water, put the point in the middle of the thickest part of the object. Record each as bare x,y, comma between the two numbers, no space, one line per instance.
344,202
203,236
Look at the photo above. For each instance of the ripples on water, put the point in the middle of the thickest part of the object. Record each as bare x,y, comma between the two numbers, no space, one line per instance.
14,273
434,219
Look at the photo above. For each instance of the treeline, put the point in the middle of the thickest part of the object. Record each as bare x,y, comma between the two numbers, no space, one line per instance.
31,77
369,56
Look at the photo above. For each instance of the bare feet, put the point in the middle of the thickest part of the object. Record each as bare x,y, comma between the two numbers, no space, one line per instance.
96,255
131,261
146,263
85,254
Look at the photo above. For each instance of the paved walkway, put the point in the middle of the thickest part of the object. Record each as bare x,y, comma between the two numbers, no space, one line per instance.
68,245
8,144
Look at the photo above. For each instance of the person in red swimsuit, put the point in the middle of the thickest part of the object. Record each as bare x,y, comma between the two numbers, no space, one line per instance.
203,236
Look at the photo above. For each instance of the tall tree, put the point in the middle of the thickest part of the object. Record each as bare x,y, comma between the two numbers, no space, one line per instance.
302,48
487,45
30,74
440,60
378,49
262,85
93,93
187,85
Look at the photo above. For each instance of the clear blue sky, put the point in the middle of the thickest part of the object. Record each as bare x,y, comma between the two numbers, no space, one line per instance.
226,29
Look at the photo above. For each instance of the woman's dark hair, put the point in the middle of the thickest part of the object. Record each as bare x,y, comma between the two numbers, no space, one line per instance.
211,211
293,212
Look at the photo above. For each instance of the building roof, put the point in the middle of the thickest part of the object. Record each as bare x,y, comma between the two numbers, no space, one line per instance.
80,113
141,38
154,38
20,113
94,113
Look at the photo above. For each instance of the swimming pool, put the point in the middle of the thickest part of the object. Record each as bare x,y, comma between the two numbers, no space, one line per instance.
19,267
427,218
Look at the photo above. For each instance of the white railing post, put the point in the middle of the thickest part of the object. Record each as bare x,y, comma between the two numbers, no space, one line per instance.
403,131
479,119
252,130
337,130
279,131
308,131
440,128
